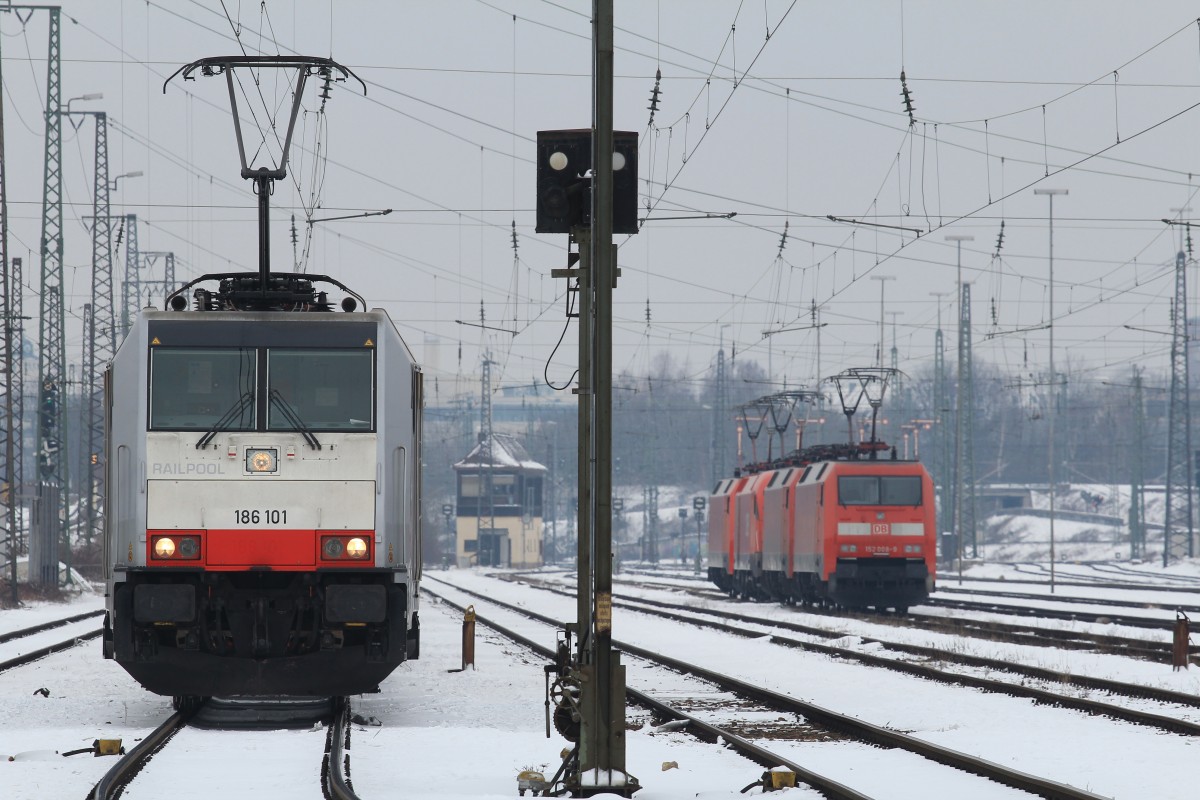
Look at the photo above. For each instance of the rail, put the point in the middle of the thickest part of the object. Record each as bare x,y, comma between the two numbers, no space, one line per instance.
47,626
865,731
42,652
121,773
336,766
695,616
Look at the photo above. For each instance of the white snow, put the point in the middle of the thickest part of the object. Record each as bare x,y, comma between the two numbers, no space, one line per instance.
468,734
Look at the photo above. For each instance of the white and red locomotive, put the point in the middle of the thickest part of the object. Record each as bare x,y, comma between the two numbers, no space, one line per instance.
263,516
832,524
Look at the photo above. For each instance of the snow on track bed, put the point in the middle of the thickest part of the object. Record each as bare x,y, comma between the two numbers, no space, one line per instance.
1036,642
1172,711
25,650
785,734
288,761
87,698
21,633
461,736
1110,758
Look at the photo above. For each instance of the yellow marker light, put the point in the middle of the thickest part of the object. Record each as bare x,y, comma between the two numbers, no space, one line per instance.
356,548
164,547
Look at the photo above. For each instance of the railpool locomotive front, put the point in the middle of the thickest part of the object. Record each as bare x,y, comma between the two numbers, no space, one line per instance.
263,531
829,524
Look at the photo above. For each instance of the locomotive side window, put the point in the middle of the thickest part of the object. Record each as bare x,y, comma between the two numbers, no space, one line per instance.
194,389
326,389
879,490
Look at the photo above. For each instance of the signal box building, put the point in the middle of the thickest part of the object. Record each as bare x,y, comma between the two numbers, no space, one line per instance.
499,508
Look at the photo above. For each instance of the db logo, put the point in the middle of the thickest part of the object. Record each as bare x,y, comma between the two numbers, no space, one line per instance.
880,528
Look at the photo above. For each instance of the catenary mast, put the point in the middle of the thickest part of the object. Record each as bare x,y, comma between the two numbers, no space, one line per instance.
51,504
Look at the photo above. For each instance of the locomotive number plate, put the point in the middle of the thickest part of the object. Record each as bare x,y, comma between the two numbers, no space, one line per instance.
260,516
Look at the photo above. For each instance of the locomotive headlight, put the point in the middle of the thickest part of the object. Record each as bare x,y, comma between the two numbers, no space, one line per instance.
333,548
164,547
356,548
262,459
189,547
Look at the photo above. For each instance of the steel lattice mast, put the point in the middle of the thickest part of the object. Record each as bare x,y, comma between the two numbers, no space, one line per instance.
1177,525
16,330
720,414
9,476
487,441
1137,481
131,289
149,260
100,342
941,419
52,505
965,471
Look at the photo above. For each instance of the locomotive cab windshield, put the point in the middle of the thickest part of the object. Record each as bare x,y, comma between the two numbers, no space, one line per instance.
265,388
879,490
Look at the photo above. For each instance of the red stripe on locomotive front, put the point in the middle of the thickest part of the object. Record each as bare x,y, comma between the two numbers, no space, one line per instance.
240,549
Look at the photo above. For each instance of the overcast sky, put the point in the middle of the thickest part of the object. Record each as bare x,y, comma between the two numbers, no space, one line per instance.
783,130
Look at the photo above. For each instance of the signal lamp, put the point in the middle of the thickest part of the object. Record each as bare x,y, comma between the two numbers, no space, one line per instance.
164,547
564,190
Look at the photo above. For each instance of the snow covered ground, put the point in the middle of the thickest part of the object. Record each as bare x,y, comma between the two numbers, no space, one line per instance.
468,734
446,735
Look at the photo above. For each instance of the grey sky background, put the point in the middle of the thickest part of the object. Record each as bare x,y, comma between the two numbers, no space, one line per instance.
783,130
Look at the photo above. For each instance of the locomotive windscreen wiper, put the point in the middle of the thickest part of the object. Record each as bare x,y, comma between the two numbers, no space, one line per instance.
289,413
236,410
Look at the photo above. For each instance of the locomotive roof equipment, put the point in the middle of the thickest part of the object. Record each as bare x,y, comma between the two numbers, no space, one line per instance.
274,291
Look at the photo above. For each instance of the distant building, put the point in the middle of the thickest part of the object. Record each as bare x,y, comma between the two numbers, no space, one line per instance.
499,508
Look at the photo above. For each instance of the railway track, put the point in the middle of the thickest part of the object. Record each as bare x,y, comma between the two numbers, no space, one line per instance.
695,616
335,764
128,765
1048,637
1146,623
37,653
755,699
1182,582
1070,600
991,630
21,633
335,767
